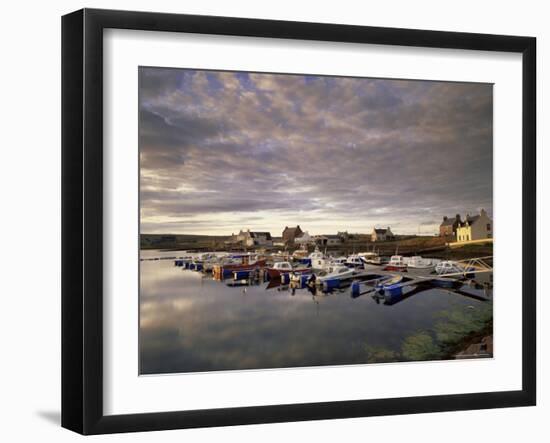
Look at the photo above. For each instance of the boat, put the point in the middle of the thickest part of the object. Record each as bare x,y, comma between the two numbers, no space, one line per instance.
354,261
418,262
396,263
208,265
247,263
318,260
337,261
371,258
369,281
284,267
337,272
391,286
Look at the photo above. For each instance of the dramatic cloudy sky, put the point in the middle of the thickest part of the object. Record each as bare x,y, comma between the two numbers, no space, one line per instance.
221,151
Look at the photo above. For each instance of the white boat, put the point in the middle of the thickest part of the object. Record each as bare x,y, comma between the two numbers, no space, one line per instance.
334,272
449,267
338,261
354,261
371,258
318,259
418,262
396,263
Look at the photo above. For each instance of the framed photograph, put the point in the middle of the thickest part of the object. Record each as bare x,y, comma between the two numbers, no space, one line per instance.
269,221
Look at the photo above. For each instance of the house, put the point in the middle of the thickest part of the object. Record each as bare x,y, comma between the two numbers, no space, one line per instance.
448,226
290,234
380,234
249,238
304,239
475,227
328,240
260,239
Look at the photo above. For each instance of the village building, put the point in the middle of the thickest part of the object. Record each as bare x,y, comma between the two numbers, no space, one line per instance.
250,238
328,240
304,239
448,226
477,227
290,234
381,234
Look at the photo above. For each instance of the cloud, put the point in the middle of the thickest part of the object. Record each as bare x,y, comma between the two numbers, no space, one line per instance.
335,152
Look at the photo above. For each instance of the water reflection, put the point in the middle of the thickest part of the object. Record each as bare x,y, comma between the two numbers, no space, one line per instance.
191,323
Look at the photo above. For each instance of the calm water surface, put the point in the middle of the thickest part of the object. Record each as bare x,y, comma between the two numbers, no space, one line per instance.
189,322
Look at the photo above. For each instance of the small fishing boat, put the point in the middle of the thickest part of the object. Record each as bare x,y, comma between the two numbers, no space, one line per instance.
392,285
396,263
369,282
284,267
245,263
317,259
354,261
336,261
418,262
368,255
334,272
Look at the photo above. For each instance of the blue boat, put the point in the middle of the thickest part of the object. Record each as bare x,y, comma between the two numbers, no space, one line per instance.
239,275
391,286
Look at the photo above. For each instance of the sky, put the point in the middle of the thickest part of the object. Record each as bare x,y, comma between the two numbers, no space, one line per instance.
224,151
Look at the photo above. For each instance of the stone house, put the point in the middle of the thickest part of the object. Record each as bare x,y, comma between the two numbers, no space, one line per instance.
381,234
448,226
290,234
476,227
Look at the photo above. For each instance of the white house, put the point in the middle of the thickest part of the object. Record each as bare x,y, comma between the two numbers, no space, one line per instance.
328,240
380,234
249,238
475,227
304,239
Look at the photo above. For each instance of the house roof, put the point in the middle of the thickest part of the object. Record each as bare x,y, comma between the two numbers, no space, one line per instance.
470,219
267,235
380,230
448,222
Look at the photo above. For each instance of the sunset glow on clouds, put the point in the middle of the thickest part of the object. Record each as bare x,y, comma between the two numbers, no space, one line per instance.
223,151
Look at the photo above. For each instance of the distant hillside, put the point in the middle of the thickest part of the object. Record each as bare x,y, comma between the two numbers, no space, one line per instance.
181,241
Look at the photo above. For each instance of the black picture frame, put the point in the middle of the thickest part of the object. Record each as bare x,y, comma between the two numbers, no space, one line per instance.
82,220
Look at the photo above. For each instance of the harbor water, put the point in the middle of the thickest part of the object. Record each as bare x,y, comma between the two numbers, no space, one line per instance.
192,323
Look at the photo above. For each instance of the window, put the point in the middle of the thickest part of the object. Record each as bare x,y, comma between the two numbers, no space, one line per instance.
488,226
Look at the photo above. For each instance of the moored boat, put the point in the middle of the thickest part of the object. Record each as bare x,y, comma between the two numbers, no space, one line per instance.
247,263
334,272
418,262
318,260
392,285
354,261
284,267
396,263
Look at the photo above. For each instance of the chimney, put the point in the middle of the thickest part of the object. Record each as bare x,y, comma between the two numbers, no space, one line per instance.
444,218
483,212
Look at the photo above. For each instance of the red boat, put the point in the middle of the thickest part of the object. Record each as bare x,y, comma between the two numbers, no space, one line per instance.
397,263
395,268
284,267
220,272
